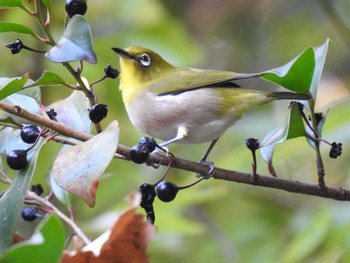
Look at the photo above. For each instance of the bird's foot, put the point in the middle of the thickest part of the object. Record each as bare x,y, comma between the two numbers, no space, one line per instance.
210,172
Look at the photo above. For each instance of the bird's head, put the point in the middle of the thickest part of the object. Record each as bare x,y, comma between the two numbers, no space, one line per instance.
140,67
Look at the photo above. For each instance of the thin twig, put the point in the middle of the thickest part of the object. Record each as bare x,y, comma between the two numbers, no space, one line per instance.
54,209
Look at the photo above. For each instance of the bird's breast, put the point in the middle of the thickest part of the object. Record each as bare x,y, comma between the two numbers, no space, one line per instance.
198,111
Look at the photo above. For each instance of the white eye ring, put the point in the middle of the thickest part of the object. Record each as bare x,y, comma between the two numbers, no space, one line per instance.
145,60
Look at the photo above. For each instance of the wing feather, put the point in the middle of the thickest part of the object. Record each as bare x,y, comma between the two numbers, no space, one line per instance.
191,79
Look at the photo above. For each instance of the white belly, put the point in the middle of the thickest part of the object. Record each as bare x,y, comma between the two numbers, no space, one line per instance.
200,112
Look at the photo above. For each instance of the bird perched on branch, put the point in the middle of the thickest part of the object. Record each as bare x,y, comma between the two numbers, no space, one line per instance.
185,105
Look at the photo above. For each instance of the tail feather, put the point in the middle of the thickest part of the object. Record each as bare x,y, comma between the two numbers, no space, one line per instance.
285,95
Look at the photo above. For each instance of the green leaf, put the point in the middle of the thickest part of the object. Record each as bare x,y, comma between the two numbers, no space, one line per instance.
293,128
11,3
295,75
73,112
75,44
46,79
28,99
17,28
12,201
12,86
303,73
32,92
45,245
77,169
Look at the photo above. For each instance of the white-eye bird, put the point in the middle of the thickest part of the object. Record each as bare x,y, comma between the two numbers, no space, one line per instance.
185,105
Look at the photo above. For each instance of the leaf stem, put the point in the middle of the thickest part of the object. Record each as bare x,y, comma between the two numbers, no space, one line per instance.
54,209
89,93
42,24
319,161
27,10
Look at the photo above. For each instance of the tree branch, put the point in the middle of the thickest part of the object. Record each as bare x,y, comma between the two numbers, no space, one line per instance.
336,193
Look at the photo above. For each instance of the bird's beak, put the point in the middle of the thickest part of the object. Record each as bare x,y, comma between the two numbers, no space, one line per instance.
123,53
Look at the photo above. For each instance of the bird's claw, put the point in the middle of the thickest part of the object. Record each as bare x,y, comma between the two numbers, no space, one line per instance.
211,171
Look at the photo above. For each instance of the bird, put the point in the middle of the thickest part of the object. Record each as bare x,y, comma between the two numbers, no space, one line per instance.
185,105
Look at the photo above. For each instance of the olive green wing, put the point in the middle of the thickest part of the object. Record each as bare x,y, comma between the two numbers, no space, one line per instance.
187,79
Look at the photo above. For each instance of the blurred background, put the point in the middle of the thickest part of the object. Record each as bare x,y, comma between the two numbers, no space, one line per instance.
216,221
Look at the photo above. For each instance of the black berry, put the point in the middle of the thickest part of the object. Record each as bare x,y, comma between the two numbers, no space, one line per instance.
98,112
111,72
139,153
147,197
15,47
149,143
252,144
336,150
17,159
29,133
166,191
75,7
148,194
37,188
30,213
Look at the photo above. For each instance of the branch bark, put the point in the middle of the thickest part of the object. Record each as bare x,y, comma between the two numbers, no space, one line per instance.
336,193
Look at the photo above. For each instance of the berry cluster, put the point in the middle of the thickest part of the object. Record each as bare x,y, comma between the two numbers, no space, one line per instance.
147,198
51,113
336,150
17,159
140,152
18,45
15,47
111,72
165,191
31,213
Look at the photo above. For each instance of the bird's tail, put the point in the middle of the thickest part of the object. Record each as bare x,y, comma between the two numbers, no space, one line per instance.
285,95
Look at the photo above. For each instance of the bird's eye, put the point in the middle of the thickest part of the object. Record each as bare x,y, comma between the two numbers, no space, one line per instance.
145,60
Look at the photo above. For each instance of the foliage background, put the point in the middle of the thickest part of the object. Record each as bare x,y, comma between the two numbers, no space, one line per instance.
216,221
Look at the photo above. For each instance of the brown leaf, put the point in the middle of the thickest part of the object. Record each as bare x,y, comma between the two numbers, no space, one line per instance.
127,243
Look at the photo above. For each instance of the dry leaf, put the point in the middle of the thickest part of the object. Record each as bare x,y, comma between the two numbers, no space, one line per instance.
126,243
